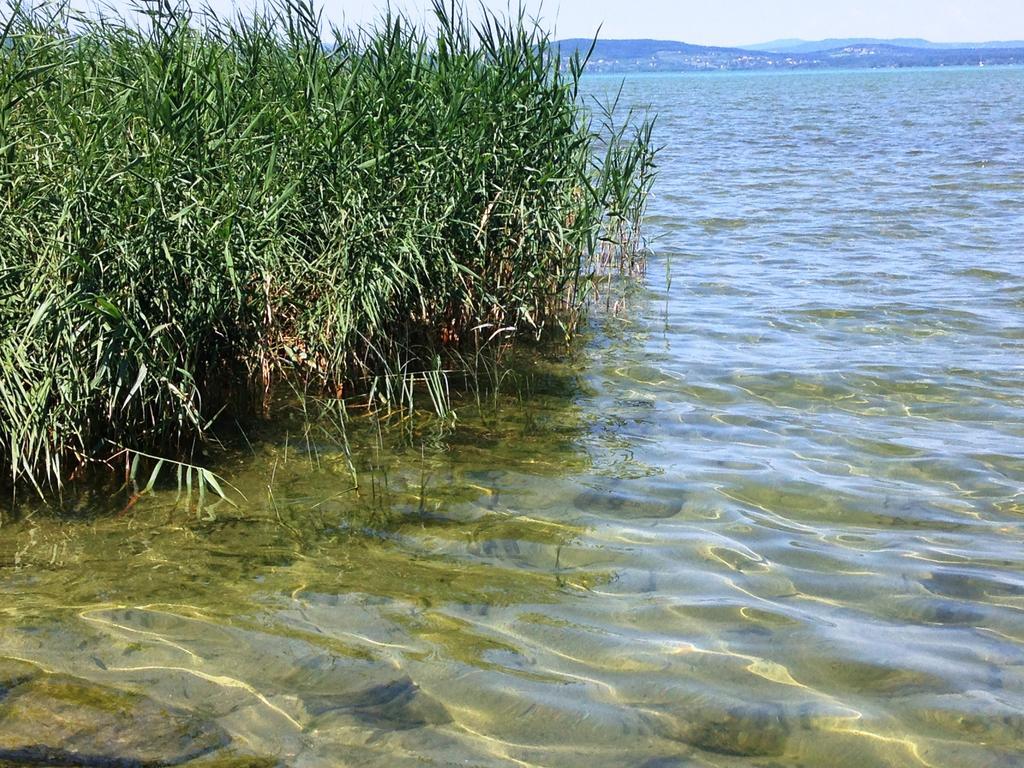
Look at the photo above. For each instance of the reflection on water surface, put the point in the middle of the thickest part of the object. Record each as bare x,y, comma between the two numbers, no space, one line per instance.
769,516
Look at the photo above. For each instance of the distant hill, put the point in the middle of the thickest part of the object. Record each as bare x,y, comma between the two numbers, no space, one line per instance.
620,49
623,56
809,46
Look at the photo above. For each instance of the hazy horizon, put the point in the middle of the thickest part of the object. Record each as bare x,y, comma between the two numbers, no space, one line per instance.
791,40
730,23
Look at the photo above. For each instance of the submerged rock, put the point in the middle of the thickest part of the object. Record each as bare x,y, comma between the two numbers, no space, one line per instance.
232,760
974,716
625,505
747,730
59,720
876,679
14,672
970,586
396,705
666,762
937,610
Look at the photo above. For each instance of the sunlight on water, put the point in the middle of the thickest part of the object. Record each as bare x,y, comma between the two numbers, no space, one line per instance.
769,515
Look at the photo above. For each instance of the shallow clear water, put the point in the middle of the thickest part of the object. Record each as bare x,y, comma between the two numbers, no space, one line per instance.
768,513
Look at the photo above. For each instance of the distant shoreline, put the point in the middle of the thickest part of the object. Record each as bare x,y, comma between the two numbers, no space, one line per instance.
614,75
636,56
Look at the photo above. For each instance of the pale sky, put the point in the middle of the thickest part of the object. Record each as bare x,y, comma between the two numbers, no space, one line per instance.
739,22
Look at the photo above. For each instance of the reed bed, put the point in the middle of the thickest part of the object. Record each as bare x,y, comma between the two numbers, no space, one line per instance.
195,208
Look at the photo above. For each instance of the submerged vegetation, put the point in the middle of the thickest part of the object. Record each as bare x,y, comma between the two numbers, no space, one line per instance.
194,209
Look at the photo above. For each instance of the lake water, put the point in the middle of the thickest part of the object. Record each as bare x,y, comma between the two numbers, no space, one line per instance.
768,512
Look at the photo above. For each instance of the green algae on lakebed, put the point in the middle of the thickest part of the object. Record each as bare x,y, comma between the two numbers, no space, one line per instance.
52,719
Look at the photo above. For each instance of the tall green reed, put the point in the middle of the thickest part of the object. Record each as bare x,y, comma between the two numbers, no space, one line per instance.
194,207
